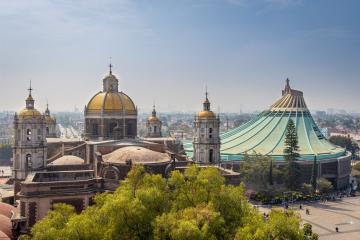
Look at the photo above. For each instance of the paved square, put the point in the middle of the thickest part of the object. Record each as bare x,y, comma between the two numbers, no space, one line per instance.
325,217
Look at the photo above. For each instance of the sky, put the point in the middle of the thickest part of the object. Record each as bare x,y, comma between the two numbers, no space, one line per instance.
168,51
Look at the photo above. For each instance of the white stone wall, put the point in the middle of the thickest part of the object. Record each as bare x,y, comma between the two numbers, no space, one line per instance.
206,140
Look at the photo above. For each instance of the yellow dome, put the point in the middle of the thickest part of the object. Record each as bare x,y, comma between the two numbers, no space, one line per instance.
111,102
49,119
29,113
153,119
207,114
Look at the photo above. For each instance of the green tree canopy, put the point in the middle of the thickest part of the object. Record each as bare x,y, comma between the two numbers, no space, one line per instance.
291,154
345,142
195,204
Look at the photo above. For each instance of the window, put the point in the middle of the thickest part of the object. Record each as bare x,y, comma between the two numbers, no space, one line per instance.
211,152
28,160
154,129
111,128
95,129
47,131
28,133
129,130
210,130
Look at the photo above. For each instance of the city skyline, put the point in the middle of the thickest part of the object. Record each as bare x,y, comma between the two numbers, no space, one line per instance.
167,52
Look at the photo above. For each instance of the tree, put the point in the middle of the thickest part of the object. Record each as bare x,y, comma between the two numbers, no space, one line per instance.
346,143
324,185
314,175
201,222
255,170
291,154
271,182
195,204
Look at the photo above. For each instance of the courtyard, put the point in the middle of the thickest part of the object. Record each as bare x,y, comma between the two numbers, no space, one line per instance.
325,217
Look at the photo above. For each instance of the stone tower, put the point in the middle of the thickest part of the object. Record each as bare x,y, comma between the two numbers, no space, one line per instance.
206,140
50,128
30,146
153,125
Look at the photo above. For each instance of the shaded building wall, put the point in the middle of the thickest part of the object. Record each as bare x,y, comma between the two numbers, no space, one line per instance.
103,128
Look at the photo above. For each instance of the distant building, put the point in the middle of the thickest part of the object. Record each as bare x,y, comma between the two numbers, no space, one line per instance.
50,121
153,125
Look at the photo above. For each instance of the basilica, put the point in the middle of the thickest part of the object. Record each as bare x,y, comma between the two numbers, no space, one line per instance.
48,169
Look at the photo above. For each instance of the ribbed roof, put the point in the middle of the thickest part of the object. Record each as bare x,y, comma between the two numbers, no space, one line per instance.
265,134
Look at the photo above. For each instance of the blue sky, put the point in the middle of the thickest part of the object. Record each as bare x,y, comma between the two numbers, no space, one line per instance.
168,51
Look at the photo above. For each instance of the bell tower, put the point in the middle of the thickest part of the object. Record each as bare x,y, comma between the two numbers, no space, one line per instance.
153,125
206,141
30,146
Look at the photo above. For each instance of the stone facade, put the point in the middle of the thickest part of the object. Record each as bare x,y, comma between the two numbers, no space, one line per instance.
206,142
30,146
50,124
153,126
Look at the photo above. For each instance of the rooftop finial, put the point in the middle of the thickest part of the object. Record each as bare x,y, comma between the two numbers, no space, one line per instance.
287,87
110,66
206,92
206,102
30,89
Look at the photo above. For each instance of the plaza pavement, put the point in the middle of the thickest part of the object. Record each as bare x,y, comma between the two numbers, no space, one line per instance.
325,217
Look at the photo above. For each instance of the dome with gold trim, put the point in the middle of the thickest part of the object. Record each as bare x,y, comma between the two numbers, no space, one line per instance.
206,113
110,100
48,118
29,112
153,117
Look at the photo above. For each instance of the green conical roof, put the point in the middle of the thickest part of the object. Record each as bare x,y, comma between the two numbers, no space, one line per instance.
265,134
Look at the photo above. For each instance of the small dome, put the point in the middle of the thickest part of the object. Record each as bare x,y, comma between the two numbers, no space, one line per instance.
6,226
3,236
49,120
153,119
7,209
136,154
29,113
111,102
207,114
68,160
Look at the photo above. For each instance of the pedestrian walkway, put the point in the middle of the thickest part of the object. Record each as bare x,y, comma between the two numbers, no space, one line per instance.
325,217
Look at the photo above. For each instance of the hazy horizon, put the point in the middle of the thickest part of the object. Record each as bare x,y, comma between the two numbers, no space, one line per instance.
168,51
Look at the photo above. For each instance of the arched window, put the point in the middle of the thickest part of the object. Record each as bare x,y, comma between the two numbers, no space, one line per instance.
47,131
211,152
154,129
111,129
28,160
28,133
129,129
95,129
